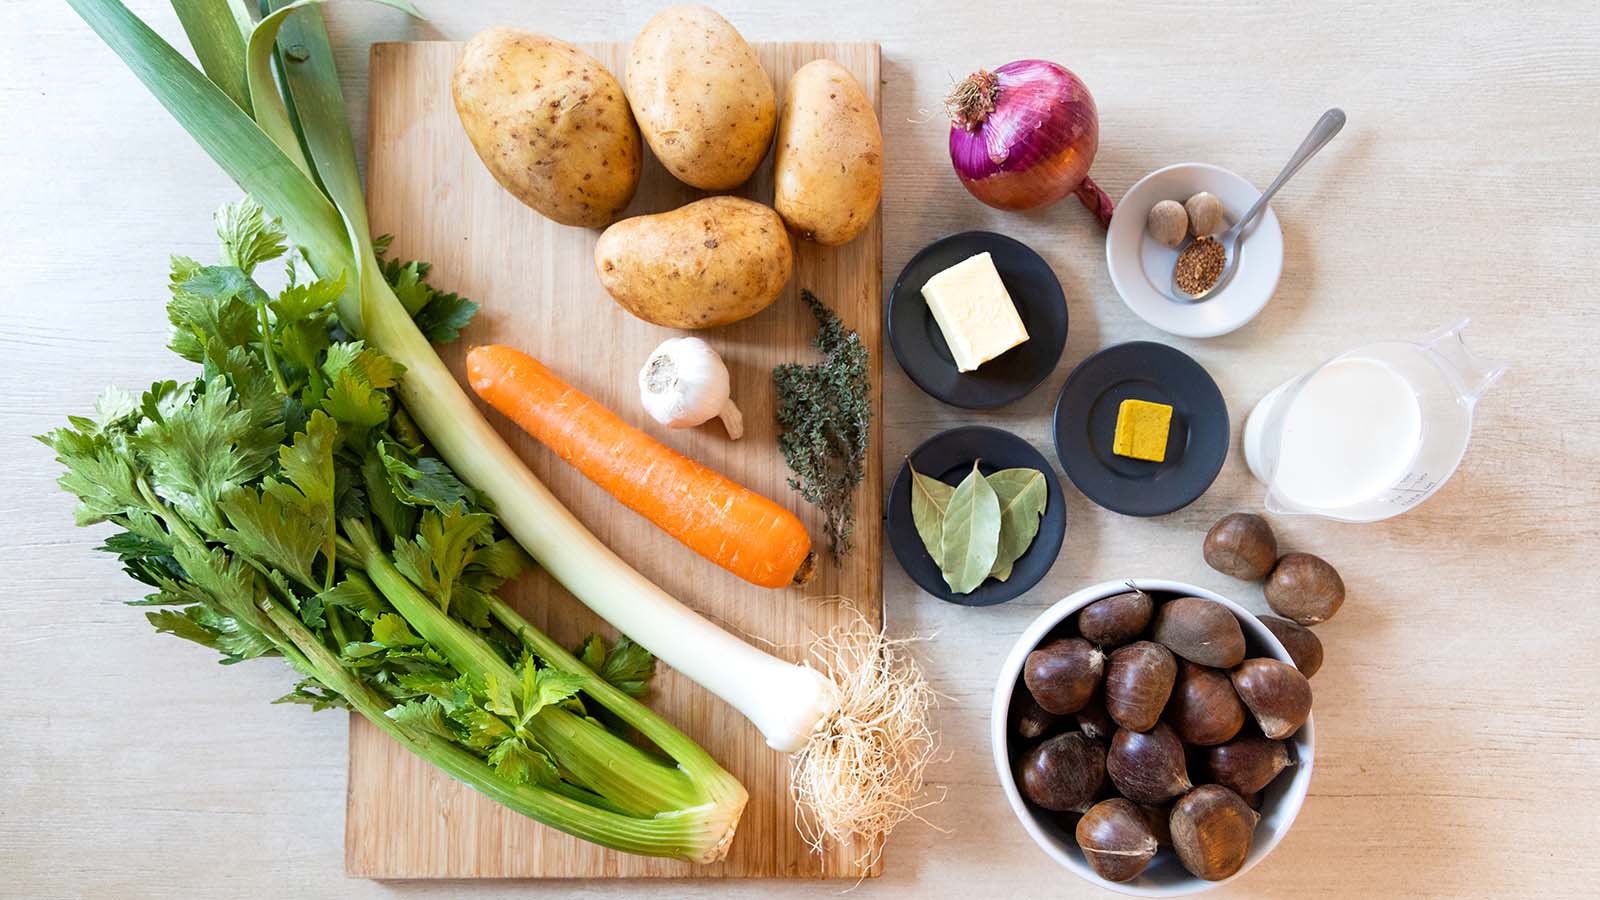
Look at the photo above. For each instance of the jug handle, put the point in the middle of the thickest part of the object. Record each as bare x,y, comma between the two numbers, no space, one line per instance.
1471,374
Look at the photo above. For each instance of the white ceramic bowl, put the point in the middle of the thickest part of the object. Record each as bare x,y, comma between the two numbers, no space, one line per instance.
1141,268
1165,877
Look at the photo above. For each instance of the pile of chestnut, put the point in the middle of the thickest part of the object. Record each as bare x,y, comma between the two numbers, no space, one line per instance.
1143,715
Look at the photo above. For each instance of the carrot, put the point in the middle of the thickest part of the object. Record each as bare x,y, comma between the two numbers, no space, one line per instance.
716,517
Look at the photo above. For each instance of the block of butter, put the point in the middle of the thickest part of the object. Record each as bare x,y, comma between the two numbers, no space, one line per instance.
1142,429
974,312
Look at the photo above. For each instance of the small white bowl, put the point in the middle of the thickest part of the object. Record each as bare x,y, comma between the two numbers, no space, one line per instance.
1165,877
1141,268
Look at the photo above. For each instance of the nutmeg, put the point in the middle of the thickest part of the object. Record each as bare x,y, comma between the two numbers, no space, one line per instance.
1116,840
1138,682
1168,223
1204,709
1117,619
1241,545
1304,647
1200,631
1212,829
1205,214
1304,588
1064,773
1062,674
1277,695
1148,767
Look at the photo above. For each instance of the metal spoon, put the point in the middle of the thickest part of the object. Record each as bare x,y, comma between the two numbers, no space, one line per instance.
1321,134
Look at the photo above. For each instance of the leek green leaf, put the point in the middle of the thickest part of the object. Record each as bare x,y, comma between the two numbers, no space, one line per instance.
971,533
1023,495
929,499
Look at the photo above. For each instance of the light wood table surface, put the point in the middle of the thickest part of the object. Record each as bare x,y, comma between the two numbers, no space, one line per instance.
1457,712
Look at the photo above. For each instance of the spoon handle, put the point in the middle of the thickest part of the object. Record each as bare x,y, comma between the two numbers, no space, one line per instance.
1321,134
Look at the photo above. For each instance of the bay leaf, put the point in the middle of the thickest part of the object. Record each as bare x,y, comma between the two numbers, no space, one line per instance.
1022,495
929,499
971,535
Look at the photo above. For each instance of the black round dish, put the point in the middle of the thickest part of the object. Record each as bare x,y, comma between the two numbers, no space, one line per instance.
921,348
1086,422
948,457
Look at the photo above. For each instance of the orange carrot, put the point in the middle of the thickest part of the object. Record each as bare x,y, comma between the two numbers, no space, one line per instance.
716,517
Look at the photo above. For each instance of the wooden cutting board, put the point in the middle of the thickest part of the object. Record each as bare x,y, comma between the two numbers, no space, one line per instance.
537,284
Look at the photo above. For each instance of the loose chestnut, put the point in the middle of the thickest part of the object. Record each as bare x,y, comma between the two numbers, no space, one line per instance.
1116,620
1205,709
1063,673
1249,764
1138,682
1304,647
1092,719
1241,545
1033,721
1212,829
1116,840
1304,588
1200,631
1276,693
1064,773
1148,767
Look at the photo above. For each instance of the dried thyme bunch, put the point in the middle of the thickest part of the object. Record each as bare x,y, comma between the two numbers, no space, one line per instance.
824,411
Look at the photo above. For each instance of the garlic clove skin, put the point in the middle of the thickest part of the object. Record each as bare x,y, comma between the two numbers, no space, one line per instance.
684,383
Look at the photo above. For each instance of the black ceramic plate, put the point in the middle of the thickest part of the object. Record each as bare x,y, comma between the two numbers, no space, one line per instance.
1086,422
921,348
948,457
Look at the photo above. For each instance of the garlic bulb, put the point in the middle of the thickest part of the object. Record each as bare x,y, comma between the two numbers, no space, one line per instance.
684,384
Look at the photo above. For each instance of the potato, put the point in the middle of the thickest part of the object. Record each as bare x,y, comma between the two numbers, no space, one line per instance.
712,262
829,164
551,124
701,97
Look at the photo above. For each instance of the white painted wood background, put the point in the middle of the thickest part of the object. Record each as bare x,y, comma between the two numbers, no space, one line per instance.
1457,711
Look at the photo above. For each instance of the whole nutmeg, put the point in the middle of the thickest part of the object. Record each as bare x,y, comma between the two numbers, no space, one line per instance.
1064,773
1248,764
1116,840
1093,720
1276,693
1304,588
1205,214
1212,829
1063,673
1138,682
1148,767
1241,545
1168,223
1116,620
1200,631
1033,721
1304,647
1204,709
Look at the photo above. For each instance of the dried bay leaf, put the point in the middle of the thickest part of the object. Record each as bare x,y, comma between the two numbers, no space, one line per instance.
1022,495
929,499
971,535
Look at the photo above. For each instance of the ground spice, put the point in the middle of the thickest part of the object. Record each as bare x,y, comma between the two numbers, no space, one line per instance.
1199,266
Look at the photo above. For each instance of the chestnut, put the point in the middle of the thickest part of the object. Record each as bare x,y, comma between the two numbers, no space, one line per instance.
1304,588
1205,709
1116,840
1304,647
1212,829
1064,773
1092,719
1033,721
1200,631
1249,764
1276,693
1158,815
1116,620
1241,545
1148,767
1063,673
1139,680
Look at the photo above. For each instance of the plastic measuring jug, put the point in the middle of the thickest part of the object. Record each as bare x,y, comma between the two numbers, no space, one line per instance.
1371,432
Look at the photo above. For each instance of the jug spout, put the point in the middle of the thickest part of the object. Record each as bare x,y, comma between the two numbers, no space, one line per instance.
1471,374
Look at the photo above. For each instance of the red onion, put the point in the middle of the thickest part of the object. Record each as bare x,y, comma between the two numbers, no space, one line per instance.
1024,135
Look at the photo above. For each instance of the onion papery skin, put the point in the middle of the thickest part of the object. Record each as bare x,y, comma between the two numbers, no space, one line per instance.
1033,144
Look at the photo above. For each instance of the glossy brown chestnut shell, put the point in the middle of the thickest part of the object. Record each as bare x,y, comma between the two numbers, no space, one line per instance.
1200,631
1148,767
1241,545
1304,647
1116,840
1304,588
1204,709
1139,680
1277,695
1117,619
1063,773
1248,764
1212,829
1062,674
